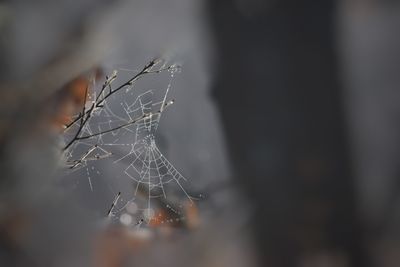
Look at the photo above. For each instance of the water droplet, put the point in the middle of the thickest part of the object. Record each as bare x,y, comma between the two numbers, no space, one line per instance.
125,219
132,208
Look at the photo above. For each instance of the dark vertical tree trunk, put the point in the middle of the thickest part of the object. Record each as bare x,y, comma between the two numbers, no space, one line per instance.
280,99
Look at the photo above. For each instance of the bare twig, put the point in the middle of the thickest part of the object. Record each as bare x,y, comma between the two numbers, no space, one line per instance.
85,157
145,116
85,115
113,204
82,123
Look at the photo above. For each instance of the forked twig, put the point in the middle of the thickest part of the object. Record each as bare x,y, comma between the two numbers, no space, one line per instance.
84,116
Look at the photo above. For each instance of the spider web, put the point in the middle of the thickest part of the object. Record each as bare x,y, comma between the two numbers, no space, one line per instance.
134,151
148,167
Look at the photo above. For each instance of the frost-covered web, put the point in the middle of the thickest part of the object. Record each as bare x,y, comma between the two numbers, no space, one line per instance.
131,150
148,167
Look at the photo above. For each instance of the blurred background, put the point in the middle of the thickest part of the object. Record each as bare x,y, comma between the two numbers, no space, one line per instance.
284,123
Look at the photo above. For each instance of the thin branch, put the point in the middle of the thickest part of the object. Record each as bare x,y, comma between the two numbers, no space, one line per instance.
85,115
113,204
145,70
85,158
80,114
107,83
83,122
145,116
